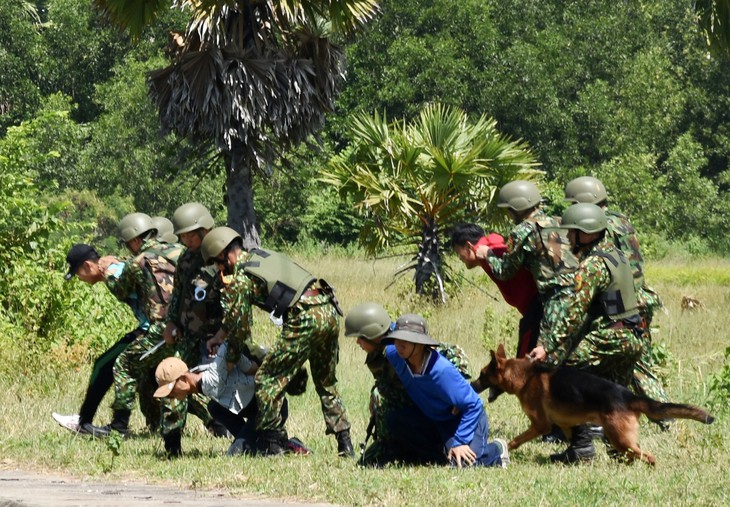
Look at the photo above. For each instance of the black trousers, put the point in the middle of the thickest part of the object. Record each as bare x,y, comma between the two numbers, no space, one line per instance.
102,377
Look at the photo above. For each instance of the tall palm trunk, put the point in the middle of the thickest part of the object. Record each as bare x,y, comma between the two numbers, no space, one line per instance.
239,196
428,263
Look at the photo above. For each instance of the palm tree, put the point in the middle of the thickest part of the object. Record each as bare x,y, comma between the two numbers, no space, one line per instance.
411,181
714,19
250,77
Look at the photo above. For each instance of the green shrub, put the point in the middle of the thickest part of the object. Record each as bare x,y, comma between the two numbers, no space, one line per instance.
719,385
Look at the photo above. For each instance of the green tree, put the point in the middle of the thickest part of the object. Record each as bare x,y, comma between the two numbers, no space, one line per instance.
250,77
412,180
20,53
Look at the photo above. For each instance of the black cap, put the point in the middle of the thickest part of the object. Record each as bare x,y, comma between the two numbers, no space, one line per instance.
77,256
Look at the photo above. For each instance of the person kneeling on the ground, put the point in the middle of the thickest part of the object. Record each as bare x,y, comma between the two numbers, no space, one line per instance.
448,413
232,392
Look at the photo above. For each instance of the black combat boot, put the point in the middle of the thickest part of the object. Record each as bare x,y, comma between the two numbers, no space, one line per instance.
120,421
94,431
580,448
271,443
173,443
344,444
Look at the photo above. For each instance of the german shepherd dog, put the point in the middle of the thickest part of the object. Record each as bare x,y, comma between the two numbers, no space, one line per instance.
568,397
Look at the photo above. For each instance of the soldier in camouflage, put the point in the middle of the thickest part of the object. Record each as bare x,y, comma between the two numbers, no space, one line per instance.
194,316
308,313
536,244
149,274
370,323
600,330
591,190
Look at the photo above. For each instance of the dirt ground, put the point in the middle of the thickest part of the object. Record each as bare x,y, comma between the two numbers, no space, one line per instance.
20,488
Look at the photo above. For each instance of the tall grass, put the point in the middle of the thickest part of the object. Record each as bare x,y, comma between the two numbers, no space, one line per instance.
692,458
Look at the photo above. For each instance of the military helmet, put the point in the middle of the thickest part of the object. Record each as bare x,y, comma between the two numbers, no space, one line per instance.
216,241
164,230
585,217
519,195
369,320
135,225
192,216
585,189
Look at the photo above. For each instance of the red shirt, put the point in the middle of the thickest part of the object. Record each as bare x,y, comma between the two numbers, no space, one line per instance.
520,290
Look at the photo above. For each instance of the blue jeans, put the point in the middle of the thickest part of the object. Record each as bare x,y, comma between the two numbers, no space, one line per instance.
424,441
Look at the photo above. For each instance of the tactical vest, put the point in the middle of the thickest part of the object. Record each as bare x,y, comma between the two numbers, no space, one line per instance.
623,235
285,280
554,255
618,302
160,260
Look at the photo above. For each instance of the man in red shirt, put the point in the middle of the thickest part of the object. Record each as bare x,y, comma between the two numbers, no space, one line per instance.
519,291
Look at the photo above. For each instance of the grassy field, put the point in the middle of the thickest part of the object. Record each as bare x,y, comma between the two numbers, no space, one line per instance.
692,458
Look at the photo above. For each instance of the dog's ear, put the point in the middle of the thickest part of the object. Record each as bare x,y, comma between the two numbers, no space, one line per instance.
494,356
500,351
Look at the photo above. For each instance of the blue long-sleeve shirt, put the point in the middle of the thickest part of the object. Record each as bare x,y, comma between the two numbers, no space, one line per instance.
439,391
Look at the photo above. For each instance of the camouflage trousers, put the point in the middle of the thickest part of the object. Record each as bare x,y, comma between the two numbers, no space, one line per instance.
610,353
553,310
132,373
645,381
310,332
174,412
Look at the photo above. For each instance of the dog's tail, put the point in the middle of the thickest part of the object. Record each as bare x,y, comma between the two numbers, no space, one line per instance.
658,410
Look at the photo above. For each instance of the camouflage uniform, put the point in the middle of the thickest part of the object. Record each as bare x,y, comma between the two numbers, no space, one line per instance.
546,255
310,331
195,310
624,237
388,394
588,338
149,275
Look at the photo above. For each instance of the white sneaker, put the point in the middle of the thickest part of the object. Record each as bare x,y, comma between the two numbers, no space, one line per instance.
70,422
504,454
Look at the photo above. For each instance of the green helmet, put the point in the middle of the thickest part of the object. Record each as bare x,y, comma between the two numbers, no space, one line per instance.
216,241
585,217
585,189
164,230
519,195
369,320
135,225
192,216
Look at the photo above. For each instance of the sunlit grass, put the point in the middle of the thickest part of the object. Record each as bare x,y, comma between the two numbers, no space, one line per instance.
692,458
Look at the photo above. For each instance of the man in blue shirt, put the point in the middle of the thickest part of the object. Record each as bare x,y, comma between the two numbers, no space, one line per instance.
448,416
